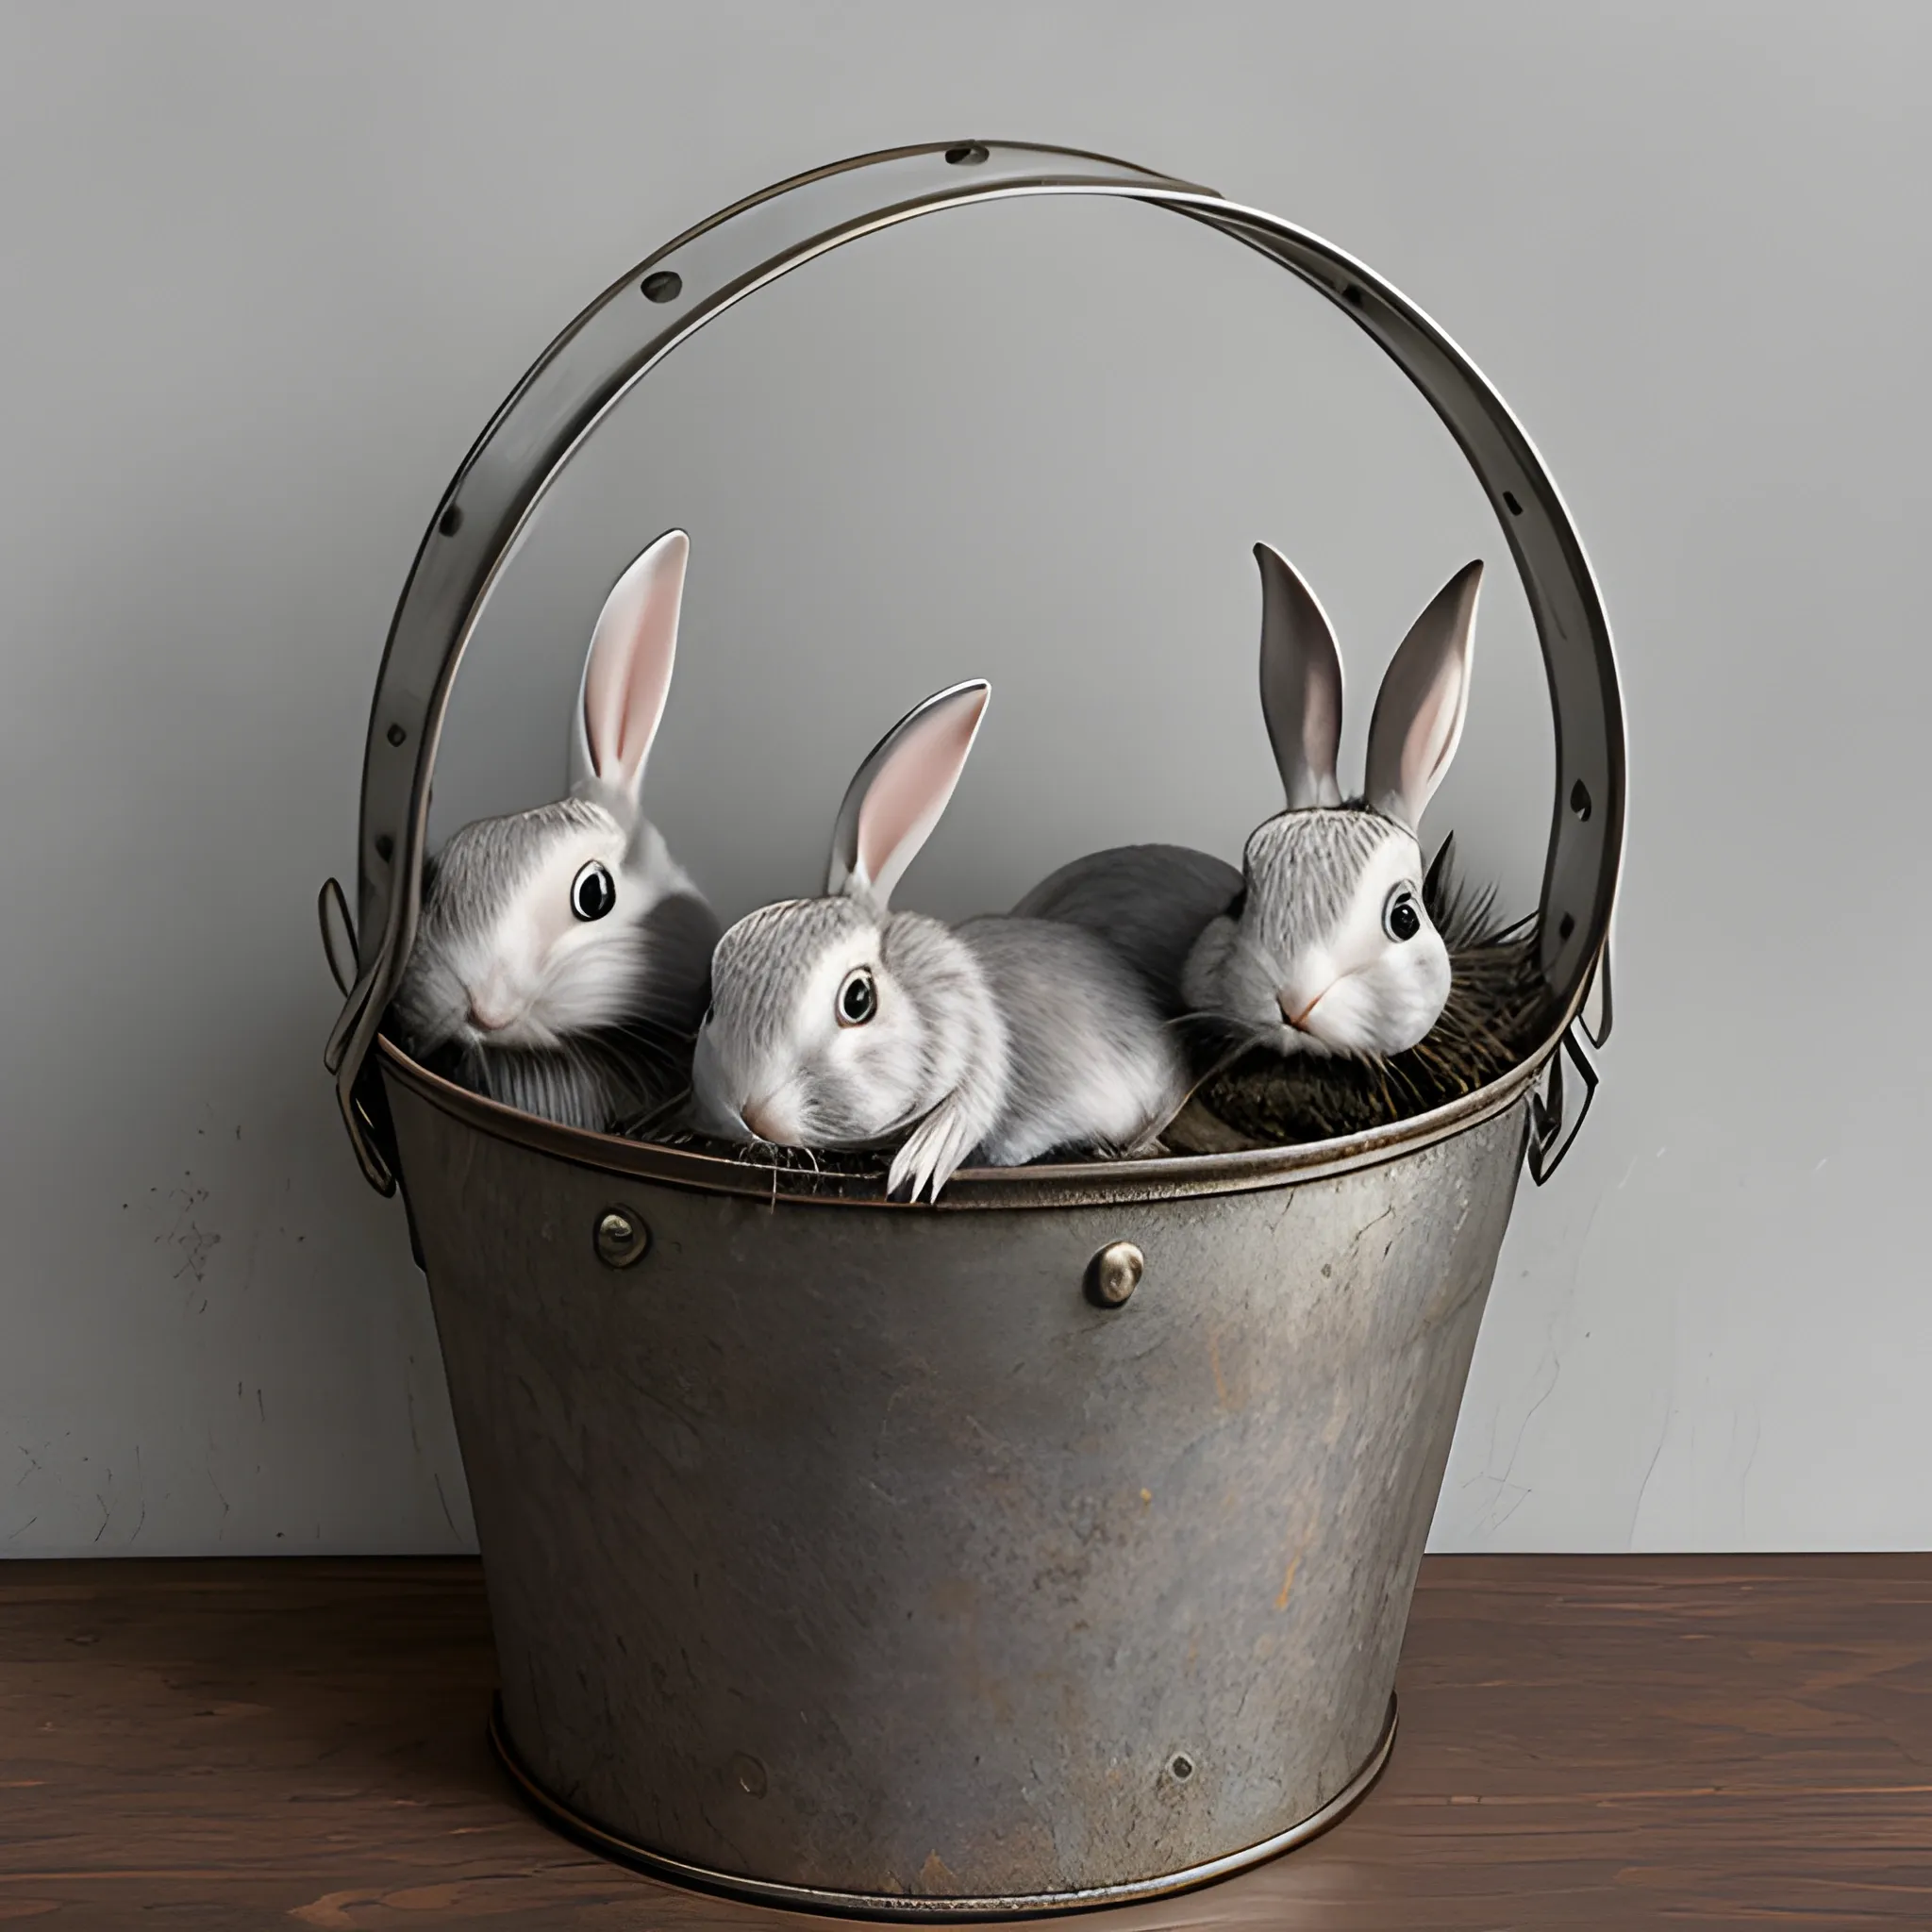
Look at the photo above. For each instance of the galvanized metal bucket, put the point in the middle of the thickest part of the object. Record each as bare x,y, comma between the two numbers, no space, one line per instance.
1048,1547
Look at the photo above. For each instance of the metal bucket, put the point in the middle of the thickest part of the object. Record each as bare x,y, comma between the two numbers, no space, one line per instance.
1049,1547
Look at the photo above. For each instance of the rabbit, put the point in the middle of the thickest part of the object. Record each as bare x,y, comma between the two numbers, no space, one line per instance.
1329,949
1150,903
837,1022
1322,943
562,959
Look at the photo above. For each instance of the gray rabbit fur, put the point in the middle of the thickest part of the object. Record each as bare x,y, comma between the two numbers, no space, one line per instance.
837,1022
562,959
1322,943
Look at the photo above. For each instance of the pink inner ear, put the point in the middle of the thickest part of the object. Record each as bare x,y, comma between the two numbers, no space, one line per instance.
904,803
1322,737
1300,684
1430,742
628,678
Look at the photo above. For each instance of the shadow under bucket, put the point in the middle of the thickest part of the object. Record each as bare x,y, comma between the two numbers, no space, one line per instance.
917,1561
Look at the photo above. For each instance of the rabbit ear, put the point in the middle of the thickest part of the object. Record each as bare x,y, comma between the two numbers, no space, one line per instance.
900,791
1424,695
627,673
1300,684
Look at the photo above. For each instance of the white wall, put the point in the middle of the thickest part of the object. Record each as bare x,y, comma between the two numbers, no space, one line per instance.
264,273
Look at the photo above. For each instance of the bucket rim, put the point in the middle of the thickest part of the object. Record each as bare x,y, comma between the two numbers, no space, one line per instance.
574,1826
1065,1184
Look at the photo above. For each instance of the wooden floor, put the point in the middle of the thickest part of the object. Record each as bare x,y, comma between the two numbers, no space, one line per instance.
1607,1742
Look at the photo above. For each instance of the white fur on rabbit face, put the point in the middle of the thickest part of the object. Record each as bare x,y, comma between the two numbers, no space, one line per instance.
831,1026
1330,949
544,926
539,927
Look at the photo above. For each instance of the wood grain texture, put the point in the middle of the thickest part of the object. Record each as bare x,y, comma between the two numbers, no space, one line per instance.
1586,1742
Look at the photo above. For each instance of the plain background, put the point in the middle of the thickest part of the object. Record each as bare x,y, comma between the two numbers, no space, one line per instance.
266,271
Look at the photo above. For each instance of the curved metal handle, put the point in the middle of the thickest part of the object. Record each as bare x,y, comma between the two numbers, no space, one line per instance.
1598,988
338,935
634,325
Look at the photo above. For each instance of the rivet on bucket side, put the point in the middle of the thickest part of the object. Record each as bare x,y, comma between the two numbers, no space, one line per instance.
621,1238
1114,1274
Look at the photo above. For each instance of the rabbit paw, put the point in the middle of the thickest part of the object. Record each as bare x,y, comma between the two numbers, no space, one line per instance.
933,1151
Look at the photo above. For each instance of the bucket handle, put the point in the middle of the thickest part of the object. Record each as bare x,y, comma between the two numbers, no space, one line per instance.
634,324
1551,1135
338,934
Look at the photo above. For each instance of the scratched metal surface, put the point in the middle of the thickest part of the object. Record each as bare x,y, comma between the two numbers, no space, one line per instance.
854,1548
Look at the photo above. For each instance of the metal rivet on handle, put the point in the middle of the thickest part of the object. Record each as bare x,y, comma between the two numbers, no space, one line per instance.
667,285
1180,1767
1114,1274
621,1238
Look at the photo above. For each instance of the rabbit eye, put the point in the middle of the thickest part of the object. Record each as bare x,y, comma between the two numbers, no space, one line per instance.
593,892
1400,918
858,998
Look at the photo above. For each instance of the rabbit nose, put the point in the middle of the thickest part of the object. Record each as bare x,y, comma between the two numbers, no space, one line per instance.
491,1011
1295,1008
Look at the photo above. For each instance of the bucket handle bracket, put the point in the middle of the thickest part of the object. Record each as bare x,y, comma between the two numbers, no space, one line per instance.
1552,1128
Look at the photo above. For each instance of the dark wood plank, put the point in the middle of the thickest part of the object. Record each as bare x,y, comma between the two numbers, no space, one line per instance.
1586,1742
